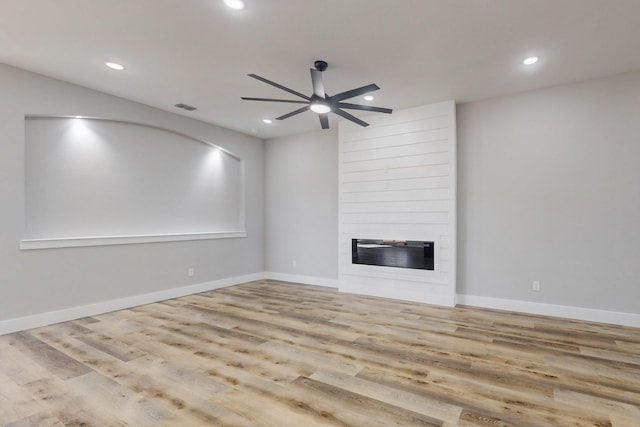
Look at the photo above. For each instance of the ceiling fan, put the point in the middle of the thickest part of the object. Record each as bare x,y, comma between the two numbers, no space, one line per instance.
320,102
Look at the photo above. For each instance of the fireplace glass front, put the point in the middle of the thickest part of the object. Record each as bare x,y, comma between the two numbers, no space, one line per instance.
393,253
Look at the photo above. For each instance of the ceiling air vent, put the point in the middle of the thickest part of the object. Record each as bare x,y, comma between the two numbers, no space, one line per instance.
186,107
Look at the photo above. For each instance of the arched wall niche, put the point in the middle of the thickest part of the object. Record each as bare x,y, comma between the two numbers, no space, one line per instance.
95,181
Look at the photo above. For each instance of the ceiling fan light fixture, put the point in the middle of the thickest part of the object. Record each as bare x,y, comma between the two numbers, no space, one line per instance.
368,97
320,107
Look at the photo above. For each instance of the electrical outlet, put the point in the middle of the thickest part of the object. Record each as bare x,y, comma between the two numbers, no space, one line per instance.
535,286
294,263
191,271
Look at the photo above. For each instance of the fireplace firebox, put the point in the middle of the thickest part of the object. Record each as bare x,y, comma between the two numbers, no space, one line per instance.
393,253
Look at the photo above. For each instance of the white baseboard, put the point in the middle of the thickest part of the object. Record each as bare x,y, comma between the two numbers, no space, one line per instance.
305,280
48,318
570,312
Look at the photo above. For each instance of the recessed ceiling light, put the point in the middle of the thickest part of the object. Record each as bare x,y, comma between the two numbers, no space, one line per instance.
267,121
368,97
115,66
530,60
235,4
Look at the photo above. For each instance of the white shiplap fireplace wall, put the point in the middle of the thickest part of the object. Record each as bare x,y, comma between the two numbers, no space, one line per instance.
398,181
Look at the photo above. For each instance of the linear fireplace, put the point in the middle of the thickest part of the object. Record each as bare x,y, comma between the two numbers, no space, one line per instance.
393,253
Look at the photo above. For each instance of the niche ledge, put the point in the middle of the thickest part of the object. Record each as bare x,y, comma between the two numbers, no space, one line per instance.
71,242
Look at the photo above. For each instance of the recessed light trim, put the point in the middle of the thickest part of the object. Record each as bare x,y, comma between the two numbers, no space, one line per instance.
267,121
115,66
235,4
368,97
530,60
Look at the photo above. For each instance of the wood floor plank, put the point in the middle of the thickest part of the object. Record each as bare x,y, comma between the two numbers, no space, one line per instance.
309,360
110,346
623,421
393,396
266,411
513,406
16,402
356,409
72,328
593,405
68,405
19,367
431,385
149,390
271,353
43,419
53,360
107,394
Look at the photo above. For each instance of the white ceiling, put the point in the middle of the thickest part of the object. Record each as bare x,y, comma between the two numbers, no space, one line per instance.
418,51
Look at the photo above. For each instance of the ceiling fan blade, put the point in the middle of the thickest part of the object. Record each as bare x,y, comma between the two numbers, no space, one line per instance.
324,121
274,100
293,113
364,107
316,81
286,89
355,92
350,117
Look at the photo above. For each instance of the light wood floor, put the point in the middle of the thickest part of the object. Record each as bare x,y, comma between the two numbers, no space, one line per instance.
274,354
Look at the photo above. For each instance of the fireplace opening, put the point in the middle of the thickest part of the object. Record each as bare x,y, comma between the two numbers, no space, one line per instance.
393,253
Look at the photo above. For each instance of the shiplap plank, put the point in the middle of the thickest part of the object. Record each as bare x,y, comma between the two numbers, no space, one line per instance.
426,136
394,218
398,184
407,125
418,171
396,161
396,206
412,149
399,196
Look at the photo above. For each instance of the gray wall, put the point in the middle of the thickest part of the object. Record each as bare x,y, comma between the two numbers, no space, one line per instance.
38,281
549,190
302,204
